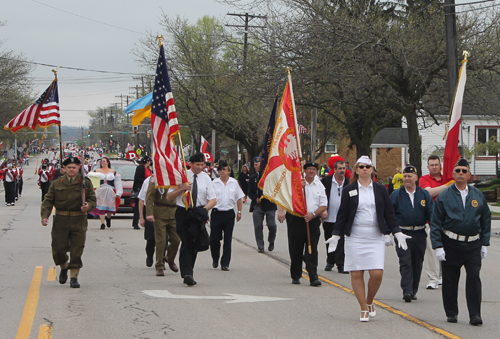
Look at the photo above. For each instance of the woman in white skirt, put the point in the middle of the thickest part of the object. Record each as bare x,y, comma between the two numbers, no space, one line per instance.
108,194
365,217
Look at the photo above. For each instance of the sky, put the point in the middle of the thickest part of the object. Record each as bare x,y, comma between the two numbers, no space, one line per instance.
44,32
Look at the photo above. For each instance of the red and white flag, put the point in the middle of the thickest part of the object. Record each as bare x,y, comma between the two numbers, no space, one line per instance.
204,145
43,113
167,164
281,181
451,154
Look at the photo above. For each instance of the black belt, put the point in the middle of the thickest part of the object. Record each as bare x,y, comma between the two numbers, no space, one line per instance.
215,210
412,228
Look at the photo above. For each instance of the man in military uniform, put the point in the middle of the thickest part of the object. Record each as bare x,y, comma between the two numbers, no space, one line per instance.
161,212
460,232
70,220
413,208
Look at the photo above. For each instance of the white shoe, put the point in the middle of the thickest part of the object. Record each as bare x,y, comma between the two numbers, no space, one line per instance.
364,316
371,310
432,286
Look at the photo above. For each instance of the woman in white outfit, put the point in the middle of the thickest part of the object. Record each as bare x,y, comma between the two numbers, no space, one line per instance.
365,218
108,194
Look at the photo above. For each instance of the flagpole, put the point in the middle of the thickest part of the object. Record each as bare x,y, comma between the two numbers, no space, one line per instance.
60,133
300,153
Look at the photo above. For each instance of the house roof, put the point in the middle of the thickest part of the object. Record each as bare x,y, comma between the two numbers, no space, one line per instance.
391,137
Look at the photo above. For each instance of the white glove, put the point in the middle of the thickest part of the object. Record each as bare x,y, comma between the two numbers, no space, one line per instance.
440,255
388,240
401,237
484,251
332,243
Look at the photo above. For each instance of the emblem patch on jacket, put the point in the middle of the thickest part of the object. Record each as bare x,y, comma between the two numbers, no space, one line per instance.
474,203
422,202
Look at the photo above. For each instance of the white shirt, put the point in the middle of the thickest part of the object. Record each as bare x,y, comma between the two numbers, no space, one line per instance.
335,197
144,189
366,214
227,195
205,189
412,196
464,194
315,196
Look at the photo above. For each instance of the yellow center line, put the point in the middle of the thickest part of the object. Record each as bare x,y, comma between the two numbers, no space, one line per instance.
24,330
45,332
395,311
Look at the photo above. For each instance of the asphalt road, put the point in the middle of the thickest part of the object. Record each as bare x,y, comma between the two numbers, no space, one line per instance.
121,298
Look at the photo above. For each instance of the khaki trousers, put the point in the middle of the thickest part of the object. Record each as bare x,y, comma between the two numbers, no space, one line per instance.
165,229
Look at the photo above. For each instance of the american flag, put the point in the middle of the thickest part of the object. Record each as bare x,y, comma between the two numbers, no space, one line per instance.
168,167
302,129
43,113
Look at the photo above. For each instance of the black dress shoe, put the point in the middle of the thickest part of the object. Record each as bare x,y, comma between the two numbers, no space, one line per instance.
63,276
149,262
73,283
341,270
452,319
188,280
271,246
261,251
328,267
215,264
407,298
135,227
103,227
296,281
108,221
476,320
224,268
315,283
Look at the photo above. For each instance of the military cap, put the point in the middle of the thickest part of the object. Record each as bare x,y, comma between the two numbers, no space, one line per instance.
462,162
257,159
410,169
198,157
71,160
311,164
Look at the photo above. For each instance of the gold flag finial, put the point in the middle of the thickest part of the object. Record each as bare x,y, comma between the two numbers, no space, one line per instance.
160,39
55,71
466,55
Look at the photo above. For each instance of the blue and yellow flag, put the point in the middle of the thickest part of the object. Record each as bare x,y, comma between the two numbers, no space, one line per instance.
141,109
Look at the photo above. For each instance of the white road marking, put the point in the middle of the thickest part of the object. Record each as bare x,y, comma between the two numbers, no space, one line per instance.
233,298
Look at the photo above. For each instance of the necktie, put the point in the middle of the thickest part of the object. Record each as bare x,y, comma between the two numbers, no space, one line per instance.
194,190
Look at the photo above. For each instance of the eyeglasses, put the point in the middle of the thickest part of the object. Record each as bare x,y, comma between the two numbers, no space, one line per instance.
365,166
463,170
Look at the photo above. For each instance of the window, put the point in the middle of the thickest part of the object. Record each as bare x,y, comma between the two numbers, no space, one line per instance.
330,147
484,135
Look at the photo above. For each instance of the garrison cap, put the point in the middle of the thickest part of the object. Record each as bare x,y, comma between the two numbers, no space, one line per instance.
410,169
462,162
311,164
71,160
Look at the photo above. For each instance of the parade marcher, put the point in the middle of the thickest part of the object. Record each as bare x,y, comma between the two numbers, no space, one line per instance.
9,184
109,192
261,208
141,173
203,195
228,194
161,211
45,175
460,233
413,208
334,185
149,229
59,172
243,179
365,217
316,202
19,181
69,226
434,184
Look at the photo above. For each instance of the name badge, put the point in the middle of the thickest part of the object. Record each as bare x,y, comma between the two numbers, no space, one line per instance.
353,193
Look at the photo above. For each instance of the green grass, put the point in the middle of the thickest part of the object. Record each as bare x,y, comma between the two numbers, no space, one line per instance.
495,213
492,187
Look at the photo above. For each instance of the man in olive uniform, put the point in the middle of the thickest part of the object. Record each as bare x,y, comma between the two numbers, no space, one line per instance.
161,212
70,220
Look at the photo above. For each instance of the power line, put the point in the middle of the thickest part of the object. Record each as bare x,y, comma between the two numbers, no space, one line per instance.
83,17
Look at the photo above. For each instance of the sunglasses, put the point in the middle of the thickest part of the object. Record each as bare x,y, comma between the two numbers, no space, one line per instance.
463,170
365,166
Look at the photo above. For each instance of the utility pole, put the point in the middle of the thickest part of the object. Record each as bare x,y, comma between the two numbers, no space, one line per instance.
246,18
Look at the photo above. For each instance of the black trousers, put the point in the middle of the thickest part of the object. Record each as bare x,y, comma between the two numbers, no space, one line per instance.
221,222
338,256
135,220
299,247
187,253
45,188
411,260
10,191
458,254
149,236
